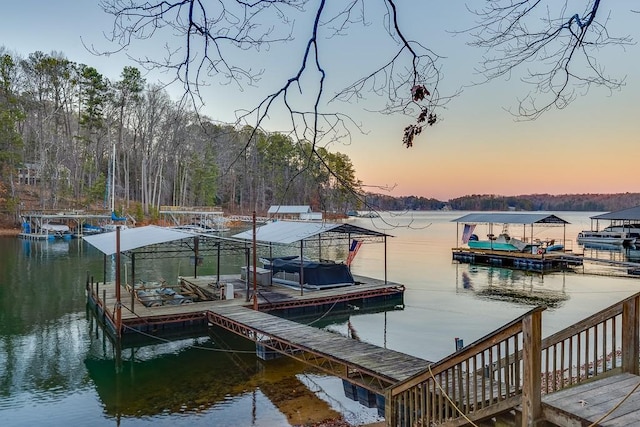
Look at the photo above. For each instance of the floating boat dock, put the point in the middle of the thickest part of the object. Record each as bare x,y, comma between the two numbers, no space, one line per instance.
365,368
551,261
34,224
136,317
527,253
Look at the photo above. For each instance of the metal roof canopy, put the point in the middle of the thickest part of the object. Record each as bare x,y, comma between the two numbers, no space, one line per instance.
287,232
631,214
511,218
134,238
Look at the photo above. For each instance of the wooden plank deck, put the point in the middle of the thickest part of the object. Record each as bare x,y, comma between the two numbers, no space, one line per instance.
587,403
365,364
393,365
267,295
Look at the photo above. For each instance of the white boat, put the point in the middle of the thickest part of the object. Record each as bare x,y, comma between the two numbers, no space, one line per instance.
109,228
632,230
603,237
60,231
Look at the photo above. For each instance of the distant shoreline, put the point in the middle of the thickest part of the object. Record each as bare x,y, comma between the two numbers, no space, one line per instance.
9,232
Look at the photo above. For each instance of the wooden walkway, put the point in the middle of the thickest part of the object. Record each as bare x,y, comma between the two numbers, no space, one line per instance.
596,402
370,366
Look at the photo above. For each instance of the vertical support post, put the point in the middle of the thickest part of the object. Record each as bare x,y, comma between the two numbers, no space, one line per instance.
389,413
385,260
301,267
532,366
196,252
255,267
348,247
218,264
246,276
104,268
133,281
118,297
630,334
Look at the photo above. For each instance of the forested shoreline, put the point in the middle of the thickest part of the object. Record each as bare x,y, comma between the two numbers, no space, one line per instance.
529,202
74,136
69,137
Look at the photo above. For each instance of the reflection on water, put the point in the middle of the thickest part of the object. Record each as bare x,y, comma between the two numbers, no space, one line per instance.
514,286
57,368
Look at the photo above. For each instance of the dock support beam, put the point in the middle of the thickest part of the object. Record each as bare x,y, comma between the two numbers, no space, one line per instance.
118,283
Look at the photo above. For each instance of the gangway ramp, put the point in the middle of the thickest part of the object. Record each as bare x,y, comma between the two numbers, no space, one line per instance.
367,365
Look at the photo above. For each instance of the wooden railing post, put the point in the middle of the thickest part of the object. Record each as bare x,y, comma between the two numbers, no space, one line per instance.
532,364
630,335
389,405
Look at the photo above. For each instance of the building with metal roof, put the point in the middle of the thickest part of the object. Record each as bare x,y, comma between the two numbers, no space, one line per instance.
302,212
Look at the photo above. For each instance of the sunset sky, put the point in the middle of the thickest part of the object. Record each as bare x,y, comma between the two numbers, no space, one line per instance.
592,146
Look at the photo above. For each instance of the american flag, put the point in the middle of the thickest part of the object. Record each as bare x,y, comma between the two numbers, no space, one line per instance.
353,250
468,231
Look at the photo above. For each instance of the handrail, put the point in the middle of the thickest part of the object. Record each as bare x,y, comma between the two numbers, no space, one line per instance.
514,366
474,348
603,343
481,379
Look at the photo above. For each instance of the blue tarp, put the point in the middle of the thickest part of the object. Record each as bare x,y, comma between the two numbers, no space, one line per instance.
114,217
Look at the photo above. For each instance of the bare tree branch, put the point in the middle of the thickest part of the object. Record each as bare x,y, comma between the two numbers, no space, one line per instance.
554,40
210,34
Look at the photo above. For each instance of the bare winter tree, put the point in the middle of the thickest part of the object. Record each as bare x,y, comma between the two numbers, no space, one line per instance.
552,44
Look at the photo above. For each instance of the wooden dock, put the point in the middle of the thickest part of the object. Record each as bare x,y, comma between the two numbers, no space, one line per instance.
587,373
544,262
362,364
367,365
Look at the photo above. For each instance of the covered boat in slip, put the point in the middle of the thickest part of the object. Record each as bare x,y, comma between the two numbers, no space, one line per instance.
313,236
530,241
623,228
530,250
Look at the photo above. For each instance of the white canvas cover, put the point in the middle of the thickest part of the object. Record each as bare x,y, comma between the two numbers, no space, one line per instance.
133,238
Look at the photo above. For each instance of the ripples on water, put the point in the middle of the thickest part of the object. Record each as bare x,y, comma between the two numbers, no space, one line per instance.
56,368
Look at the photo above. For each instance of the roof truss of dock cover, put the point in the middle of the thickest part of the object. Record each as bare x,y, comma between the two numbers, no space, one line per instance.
521,218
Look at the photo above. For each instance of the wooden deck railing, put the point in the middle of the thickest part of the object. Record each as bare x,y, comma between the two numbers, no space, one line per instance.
482,379
602,344
513,366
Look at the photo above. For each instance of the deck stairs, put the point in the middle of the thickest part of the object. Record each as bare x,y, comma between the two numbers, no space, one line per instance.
586,374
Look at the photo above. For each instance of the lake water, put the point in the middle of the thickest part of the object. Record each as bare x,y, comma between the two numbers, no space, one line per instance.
56,368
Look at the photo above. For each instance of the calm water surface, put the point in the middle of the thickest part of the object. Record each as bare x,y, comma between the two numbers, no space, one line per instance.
56,368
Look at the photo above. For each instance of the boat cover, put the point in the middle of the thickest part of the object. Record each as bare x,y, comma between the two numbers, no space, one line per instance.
320,274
